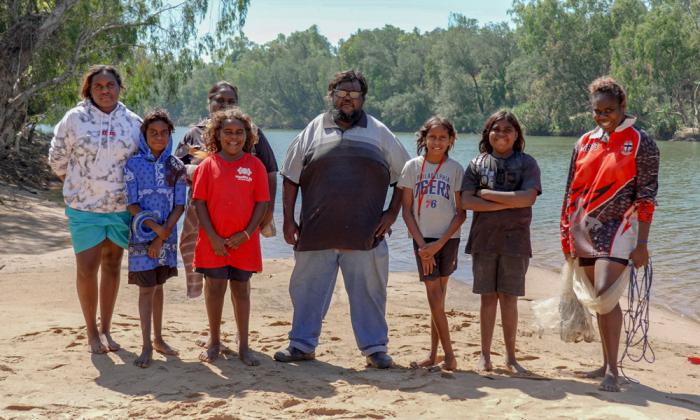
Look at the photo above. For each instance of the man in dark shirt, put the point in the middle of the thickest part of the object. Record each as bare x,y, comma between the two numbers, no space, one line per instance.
343,161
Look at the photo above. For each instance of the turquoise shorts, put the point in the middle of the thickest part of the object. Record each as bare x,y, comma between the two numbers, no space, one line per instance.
88,229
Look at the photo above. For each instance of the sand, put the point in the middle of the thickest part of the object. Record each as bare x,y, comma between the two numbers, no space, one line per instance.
46,371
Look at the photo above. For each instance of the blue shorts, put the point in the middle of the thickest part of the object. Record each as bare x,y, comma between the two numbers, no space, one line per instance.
88,229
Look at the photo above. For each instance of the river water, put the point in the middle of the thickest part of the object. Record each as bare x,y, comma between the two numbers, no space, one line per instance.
673,242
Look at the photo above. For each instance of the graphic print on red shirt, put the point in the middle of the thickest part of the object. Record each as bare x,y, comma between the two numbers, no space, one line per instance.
230,190
612,185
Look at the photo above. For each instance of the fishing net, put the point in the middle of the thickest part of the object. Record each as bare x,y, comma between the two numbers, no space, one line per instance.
575,322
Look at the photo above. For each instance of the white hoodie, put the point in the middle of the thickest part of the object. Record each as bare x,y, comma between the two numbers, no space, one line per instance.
90,148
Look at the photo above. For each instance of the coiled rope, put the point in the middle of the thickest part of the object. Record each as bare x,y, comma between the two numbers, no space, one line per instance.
636,319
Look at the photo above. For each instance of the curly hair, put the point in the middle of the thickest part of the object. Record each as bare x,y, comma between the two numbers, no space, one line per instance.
434,121
156,114
216,123
606,85
348,76
94,71
502,115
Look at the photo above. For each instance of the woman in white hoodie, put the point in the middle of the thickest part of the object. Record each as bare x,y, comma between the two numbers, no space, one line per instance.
90,147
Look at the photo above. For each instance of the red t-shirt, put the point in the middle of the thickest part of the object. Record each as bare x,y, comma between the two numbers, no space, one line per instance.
231,190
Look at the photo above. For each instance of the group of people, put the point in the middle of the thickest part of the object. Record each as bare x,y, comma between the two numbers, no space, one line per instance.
124,189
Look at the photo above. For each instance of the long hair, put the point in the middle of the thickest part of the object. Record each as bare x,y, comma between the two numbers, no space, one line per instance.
92,72
502,115
216,122
434,121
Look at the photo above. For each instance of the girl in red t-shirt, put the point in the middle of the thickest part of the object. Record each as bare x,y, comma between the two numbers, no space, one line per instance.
230,194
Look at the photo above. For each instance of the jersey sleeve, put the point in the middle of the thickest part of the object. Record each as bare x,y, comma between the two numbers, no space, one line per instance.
264,152
531,176
470,181
261,191
180,198
61,145
564,222
647,178
200,182
397,157
131,184
294,160
407,178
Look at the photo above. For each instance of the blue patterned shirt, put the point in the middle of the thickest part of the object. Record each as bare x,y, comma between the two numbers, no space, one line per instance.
156,185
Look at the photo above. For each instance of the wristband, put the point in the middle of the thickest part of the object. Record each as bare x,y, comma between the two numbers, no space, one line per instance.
245,232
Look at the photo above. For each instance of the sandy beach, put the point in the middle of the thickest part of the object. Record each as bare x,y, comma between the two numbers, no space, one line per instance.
46,371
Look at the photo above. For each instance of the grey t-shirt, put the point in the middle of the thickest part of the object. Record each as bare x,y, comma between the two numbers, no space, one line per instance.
504,232
344,176
438,205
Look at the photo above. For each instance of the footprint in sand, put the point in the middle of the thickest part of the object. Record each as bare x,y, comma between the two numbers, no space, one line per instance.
322,411
279,323
527,357
290,403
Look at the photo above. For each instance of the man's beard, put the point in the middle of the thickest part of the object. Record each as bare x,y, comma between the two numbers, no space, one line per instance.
339,115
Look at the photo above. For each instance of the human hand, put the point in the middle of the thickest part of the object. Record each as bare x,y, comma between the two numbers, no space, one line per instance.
388,219
236,240
640,255
290,228
428,265
154,248
429,250
267,217
162,232
218,244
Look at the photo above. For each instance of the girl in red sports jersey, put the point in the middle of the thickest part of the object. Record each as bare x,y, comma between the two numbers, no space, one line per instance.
230,193
608,206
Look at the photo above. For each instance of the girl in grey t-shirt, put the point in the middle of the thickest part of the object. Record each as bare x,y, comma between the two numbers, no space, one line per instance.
431,185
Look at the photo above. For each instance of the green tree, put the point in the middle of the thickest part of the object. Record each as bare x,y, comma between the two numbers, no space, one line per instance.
45,44
656,57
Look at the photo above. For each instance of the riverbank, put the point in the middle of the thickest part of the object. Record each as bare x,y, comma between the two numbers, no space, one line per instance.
45,370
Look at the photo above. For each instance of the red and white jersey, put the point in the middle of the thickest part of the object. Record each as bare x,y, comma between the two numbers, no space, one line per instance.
612,185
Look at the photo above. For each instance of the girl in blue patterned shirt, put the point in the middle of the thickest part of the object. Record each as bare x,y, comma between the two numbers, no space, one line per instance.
155,189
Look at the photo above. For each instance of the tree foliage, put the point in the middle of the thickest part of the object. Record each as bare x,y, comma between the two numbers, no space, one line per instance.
46,44
540,66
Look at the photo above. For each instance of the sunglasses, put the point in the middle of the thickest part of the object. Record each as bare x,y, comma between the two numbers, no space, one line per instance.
343,93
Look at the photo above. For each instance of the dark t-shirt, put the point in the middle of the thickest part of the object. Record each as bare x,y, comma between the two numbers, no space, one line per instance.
504,232
193,137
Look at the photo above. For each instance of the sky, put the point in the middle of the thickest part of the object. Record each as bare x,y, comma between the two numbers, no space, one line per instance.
338,19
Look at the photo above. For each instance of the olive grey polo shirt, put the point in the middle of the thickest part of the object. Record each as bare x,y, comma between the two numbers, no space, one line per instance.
344,177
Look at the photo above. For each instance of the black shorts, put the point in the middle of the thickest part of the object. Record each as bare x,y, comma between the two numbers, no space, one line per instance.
499,273
154,277
587,262
227,273
445,259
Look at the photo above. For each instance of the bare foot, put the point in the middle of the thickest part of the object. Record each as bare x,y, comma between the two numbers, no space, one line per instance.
107,341
203,341
484,364
609,383
450,363
96,346
247,357
163,348
211,353
427,362
144,360
514,367
598,373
